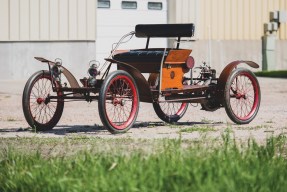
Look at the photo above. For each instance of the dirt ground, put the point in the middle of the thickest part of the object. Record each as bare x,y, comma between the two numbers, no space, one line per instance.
82,118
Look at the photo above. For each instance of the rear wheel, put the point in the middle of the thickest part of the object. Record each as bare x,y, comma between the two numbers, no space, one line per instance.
170,112
242,96
40,112
118,102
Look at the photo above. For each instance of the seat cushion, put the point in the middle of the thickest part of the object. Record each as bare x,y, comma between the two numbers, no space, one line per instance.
140,56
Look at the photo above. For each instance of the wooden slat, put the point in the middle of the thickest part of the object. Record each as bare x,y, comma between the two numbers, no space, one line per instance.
4,20
177,56
206,12
91,19
14,20
227,20
259,18
82,19
63,19
44,20
34,20
234,15
283,31
214,19
252,24
73,20
220,16
54,19
24,20
246,19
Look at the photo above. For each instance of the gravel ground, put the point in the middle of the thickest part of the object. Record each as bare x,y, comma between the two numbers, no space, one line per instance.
82,118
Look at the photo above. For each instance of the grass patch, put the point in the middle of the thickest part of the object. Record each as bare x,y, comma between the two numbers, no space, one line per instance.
203,129
276,74
11,119
227,167
270,121
175,126
204,120
253,128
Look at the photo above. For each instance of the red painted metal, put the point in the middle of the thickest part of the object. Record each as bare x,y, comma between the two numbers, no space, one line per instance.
227,71
190,62
70,77
40,100
142,84
42,113
246,98
182,107
120,116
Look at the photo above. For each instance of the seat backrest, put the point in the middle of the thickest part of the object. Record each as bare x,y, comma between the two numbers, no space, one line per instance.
164,30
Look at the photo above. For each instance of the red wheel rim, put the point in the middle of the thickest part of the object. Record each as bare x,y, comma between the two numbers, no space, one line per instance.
244,97
42,111
171,109
121,102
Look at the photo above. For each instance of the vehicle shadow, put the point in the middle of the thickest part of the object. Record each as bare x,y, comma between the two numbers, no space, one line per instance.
99,129
160,123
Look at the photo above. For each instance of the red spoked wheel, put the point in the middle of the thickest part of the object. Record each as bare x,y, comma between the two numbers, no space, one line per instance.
118,102
41,112
242,96
170,112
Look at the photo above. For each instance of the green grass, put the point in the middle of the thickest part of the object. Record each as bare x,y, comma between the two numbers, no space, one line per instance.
197,128
204,120
225,166
278,74
11,119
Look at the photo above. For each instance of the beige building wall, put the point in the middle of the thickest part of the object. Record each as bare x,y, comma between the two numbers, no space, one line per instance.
227,19
47,20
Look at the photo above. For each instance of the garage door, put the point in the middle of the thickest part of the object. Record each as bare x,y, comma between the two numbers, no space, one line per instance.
116,18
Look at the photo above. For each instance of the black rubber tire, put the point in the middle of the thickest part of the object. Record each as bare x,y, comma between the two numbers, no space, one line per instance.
170,118
54,115
241,98
117,101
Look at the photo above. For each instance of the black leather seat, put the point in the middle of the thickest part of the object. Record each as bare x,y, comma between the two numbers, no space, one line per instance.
141,56
165,30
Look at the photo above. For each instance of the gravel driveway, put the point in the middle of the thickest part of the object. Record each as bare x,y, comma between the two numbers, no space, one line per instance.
82,118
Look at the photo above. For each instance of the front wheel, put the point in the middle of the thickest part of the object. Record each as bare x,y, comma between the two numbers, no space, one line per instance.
242,96
118,102
41,112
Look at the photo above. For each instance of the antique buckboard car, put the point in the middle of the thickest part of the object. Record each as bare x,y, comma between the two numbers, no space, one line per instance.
170,86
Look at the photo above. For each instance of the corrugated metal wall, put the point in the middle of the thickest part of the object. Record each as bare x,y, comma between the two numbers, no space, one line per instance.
47,20
227,19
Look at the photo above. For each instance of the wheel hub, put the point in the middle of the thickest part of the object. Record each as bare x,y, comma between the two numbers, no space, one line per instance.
40,100
116,101
239,96
122,102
